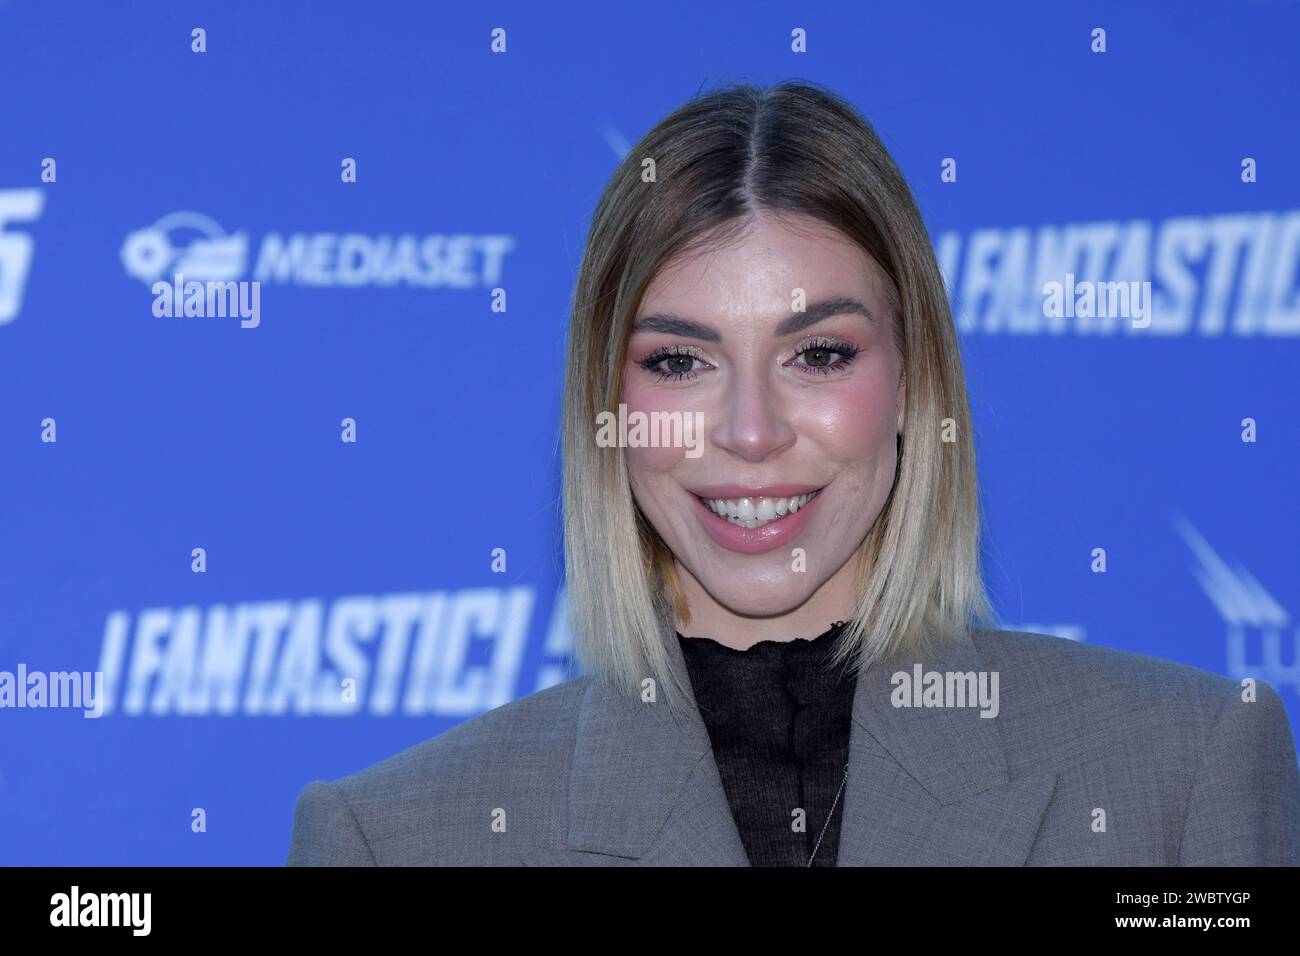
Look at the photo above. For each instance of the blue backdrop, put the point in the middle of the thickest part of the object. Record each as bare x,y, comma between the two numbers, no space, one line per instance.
132,148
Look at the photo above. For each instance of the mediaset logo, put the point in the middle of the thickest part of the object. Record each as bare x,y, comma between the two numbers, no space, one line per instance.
197,246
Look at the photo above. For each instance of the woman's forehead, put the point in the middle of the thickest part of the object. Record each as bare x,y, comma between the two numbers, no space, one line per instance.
766,271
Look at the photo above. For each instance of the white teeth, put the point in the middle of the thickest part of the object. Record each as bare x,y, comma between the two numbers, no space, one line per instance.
755,512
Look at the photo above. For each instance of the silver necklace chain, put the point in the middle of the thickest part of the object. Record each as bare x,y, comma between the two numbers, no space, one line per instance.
830,815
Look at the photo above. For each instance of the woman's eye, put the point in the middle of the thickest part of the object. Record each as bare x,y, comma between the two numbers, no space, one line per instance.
671,364
818,356
820,359
678,364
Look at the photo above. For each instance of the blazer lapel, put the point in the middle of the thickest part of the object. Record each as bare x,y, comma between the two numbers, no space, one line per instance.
926,786
643,789
930,786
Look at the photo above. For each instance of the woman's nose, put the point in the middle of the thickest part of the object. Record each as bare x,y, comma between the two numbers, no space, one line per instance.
751,421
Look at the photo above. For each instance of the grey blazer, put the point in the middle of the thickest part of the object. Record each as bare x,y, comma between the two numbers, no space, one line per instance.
1096,757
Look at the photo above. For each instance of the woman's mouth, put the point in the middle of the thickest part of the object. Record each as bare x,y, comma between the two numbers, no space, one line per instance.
753,524
756,512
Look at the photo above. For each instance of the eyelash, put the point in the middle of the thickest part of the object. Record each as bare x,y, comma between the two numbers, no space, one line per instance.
846,351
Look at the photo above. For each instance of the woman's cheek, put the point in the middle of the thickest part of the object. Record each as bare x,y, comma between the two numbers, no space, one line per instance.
646,402
856,421
646,463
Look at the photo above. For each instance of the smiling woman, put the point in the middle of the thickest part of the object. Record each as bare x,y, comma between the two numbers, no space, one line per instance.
804,413
788,655
776,278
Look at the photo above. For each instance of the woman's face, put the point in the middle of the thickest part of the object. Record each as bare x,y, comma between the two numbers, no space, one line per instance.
792,402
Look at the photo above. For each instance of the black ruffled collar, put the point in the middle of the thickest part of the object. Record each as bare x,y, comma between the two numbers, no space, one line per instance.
797,670
819,646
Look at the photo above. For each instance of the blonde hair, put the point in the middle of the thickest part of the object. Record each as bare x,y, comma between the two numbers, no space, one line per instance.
723,156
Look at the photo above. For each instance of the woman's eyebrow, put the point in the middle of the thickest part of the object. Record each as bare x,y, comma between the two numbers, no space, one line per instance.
670,324
823,309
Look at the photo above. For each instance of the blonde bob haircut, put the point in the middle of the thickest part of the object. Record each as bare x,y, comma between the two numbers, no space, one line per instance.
790,148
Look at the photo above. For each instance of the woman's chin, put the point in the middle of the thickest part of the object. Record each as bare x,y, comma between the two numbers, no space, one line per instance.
767,602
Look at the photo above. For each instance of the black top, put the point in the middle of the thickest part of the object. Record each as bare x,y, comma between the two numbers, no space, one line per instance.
778,720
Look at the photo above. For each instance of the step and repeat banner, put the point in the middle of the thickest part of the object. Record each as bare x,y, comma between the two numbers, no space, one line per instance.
341,458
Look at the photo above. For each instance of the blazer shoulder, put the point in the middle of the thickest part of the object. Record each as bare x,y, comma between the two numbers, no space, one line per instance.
358,819
541,721
1059,666
1081,698
1214,756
